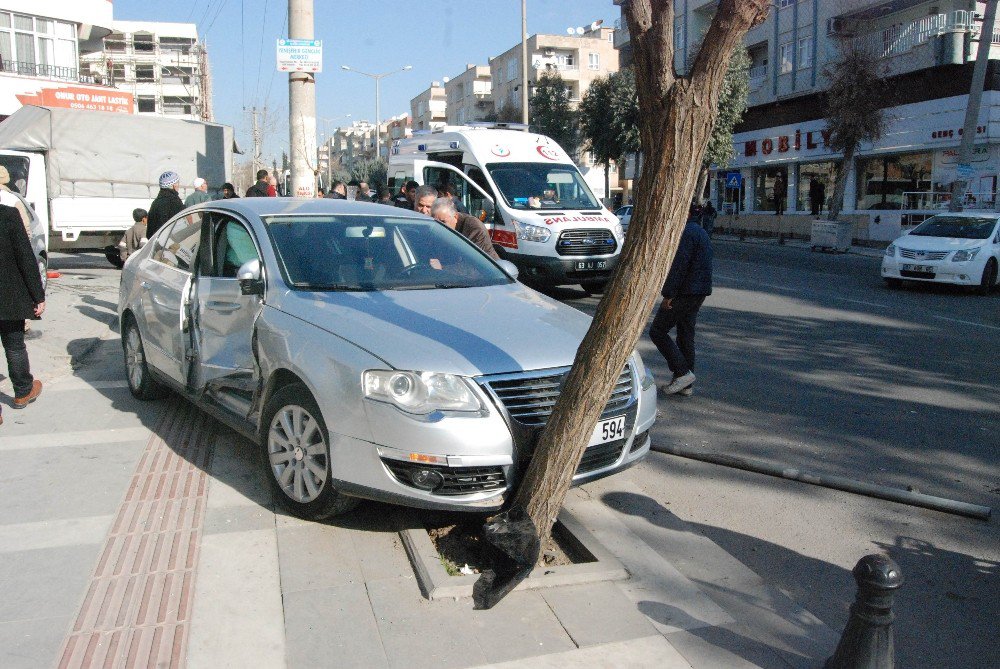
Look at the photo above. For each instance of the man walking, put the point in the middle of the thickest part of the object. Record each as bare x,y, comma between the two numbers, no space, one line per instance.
688,284
780,194
259,189
21,297
166,205
199,195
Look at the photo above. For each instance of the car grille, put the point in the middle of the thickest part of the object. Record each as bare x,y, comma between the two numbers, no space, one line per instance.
529,399
586,243
923,255
457,480
601,456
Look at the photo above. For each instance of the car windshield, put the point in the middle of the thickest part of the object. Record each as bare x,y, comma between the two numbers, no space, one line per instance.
961,227
371,253
542,186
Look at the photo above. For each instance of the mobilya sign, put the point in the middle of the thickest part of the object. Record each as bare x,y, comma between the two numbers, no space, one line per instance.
811,139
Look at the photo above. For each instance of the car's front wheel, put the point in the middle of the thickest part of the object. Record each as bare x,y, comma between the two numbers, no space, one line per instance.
989,277
296,446
140,382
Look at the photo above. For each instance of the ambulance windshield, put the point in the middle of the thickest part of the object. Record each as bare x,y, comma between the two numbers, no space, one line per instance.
542,186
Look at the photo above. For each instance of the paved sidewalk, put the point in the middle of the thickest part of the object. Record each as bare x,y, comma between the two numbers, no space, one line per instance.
867,251
143,534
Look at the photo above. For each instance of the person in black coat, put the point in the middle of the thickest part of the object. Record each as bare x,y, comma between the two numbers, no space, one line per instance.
259,189
688,283
21,297
166,205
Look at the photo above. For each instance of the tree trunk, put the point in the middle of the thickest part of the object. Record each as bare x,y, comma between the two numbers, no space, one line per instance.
607,182
677,118
840,184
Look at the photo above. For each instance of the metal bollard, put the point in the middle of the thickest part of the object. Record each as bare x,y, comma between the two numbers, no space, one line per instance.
867,640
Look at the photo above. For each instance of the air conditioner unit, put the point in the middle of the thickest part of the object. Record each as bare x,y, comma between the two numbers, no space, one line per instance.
549,53
836,26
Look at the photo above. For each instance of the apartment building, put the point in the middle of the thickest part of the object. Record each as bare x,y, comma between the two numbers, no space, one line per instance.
40,46
428,110
163,65
469,95
926,50
579,59
352,143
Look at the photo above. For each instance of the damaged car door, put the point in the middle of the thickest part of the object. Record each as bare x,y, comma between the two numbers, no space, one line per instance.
228,297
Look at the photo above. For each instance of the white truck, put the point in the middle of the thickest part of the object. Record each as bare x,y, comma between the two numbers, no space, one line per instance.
540,212
84,172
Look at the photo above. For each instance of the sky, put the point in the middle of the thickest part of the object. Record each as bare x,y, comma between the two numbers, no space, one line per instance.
437,37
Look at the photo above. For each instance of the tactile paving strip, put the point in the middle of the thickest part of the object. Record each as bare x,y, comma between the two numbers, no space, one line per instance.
137,609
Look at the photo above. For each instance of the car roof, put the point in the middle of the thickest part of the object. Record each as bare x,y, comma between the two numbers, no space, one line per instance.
277,206
970,214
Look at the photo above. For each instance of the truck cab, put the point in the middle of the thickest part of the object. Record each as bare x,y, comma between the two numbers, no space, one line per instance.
540,212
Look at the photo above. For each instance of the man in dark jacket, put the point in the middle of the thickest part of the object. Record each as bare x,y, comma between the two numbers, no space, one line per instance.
407,194
443,211
166,205
259,189
21,297
688,284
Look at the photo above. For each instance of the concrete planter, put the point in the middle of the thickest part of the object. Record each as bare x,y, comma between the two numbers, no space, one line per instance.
436,583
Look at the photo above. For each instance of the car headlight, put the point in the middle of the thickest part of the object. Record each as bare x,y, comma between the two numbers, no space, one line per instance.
890,251
420,392
647,379
532,233
965,255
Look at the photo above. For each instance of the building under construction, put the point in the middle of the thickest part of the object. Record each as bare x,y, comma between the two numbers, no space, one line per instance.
162,64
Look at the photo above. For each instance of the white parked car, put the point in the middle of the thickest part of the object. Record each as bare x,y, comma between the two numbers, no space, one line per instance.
624,215
956,248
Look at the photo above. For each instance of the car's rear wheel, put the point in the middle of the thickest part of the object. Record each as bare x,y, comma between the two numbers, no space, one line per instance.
140,382
894,283
297,450
989,277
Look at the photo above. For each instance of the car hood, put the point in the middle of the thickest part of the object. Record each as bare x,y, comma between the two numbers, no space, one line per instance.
466,331
921,243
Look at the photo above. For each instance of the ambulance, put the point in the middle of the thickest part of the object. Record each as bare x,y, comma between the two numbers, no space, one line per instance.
541,214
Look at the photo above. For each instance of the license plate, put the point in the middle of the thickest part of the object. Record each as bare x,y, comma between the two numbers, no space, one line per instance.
919,268
611,429
592,264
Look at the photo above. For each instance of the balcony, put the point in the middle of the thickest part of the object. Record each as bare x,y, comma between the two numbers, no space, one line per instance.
901,39
758,74
46,71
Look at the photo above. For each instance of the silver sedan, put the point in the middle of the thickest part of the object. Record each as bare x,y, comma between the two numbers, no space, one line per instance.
371,352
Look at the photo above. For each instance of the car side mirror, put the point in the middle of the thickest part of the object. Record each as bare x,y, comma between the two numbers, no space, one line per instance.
509,268
249,276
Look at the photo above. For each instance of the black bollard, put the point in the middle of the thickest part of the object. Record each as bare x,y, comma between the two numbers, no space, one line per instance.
867,640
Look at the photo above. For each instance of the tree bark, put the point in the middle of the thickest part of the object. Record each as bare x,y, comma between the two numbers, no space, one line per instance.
840,184
699,190
677,118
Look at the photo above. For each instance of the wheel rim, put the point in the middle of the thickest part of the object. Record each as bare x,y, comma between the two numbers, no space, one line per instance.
297,452
134,357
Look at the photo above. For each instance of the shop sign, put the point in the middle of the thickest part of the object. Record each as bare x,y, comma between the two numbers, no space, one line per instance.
951,133
980,154
811,139
88,99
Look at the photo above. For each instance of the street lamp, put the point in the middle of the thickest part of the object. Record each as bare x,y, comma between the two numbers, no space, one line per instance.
378,100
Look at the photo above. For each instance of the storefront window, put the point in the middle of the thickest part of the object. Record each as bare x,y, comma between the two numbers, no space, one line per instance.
824,175
883,180
764,179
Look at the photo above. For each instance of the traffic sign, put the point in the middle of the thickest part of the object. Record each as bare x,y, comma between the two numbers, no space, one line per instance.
300,55
734,180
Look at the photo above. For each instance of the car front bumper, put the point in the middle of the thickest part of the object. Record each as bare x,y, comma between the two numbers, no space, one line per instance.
557,271
968,273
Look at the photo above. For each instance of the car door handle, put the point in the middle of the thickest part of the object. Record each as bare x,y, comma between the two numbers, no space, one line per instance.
223,306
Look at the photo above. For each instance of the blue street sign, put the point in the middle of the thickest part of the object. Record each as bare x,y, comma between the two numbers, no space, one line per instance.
734,180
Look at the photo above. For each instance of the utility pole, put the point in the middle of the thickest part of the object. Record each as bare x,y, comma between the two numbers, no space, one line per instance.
524,61
256,136
301,107
964,167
